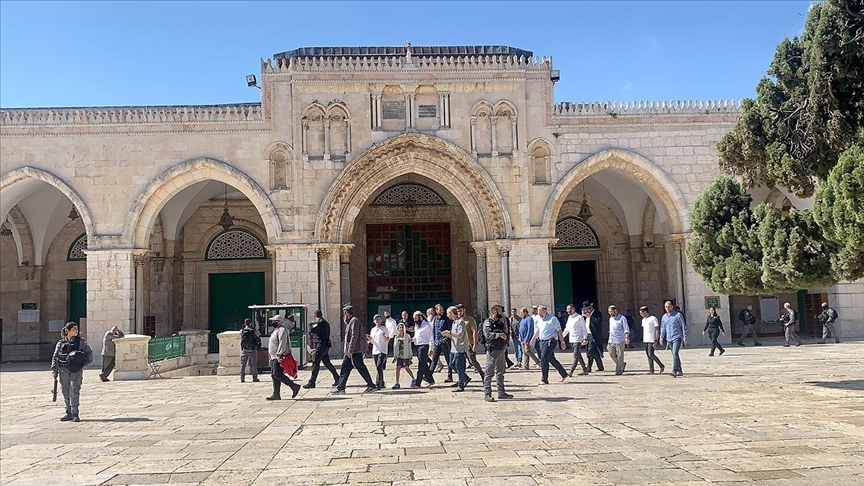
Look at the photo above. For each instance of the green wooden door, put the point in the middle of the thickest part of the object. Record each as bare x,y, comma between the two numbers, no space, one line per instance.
77,300
231,294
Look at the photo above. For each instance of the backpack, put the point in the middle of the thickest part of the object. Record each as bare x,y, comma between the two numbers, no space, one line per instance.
481,336
834,313
248,339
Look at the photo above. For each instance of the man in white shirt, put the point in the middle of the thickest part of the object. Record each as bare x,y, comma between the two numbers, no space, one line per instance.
650,338
619,337
577,331
379,336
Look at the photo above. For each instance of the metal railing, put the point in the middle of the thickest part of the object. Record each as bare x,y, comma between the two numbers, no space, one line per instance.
166,347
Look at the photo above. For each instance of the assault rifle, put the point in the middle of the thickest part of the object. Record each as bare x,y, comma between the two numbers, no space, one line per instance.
54,391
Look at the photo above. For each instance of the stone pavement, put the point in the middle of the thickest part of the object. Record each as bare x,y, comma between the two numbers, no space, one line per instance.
765,416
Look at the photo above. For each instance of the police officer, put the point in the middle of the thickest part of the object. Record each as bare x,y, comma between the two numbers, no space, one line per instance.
319,337
71,355
496,335
828,317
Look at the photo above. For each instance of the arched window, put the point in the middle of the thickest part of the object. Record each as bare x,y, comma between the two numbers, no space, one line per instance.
235,244
540,165
280,174
409,195
575,233
76,249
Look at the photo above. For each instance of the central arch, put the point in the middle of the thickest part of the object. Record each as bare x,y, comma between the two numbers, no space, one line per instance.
413,153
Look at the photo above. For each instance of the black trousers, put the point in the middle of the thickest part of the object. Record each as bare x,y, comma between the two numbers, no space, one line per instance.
577,358
547,357
322,355
442,349
595,358
349,363
279,377
652,358
424,371
715,344
380,365
472,360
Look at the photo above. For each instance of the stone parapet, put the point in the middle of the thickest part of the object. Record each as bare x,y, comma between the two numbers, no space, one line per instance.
131,357
128,115
196,345
229,353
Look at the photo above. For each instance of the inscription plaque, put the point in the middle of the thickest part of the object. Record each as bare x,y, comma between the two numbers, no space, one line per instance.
393,110
427,111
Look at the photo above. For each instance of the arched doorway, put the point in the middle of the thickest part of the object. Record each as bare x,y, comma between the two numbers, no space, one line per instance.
44,227
202,227
427,168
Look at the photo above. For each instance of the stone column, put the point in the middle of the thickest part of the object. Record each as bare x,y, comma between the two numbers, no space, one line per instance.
130,354
323,254
493,123
379,112
295,273
474,136
409,110
344,291
482,292
304,139
514,134
504,253
447,122
229,353
347,136
110,295
442,118
138,259
326,123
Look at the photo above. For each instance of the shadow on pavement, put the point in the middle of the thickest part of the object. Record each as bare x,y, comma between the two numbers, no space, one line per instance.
119,419
545,399
841,385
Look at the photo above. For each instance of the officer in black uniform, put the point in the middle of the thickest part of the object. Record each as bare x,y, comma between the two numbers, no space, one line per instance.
319,341
71,355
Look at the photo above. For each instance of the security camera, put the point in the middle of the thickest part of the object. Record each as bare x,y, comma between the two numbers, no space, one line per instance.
251,81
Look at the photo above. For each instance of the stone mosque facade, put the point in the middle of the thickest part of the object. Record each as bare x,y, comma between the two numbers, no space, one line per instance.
384,177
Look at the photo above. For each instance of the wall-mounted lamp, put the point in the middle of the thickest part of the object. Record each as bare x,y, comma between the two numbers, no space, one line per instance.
251,81
73,214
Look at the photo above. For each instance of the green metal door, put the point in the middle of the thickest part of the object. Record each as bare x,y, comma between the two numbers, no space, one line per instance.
77,300
231,294
562,284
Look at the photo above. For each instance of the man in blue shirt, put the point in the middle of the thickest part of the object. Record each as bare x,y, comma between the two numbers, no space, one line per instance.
526,333
674,330
442,342
548,331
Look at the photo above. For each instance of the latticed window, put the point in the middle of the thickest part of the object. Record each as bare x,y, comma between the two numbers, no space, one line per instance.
575,233
76,250
236,244
409,195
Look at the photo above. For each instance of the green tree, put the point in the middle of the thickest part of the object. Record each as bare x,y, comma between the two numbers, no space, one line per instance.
725,248
839,211
804,130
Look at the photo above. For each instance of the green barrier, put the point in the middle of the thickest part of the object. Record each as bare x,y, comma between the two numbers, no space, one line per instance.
166,347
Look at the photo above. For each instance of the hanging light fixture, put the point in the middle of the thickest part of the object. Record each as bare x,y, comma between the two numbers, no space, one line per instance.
226,221
584,210
787,206
73,214
5,230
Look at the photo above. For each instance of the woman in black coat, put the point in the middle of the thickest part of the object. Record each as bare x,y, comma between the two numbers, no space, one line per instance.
595,341
714,327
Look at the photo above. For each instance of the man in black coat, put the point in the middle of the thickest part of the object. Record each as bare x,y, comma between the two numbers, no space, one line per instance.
319,341
595,336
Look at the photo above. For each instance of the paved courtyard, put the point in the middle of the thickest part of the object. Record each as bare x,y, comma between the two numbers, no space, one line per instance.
766,416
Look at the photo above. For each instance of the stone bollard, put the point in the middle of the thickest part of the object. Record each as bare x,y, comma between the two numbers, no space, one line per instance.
131,357
229,353
196,345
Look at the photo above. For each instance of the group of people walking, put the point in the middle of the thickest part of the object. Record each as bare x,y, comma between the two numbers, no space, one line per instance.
533,335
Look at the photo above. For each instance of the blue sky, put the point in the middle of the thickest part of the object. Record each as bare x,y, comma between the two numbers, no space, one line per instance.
148,53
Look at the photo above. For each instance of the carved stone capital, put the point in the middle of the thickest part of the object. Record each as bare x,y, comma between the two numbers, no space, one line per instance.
345,252
503,249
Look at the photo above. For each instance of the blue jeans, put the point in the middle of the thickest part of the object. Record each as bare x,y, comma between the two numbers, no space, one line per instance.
457,362
517,349
675,344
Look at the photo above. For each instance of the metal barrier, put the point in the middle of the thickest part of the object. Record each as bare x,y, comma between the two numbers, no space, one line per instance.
166,347
213,342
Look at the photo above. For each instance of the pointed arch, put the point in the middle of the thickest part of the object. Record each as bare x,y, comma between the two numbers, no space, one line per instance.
424,155
656,182
18,183
146,207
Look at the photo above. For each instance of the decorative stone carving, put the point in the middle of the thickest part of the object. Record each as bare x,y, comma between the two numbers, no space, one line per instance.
76,250
235,245
409,195
575,233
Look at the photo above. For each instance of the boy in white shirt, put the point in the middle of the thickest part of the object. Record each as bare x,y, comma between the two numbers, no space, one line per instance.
650,337
379,337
